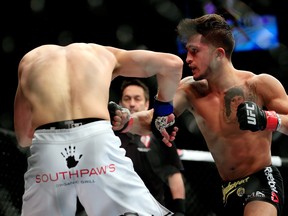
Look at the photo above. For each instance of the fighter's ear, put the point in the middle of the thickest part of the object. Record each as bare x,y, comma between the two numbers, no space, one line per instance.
220,52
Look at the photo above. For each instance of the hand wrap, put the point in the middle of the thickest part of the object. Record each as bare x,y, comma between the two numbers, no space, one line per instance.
113,107
251,117
160,119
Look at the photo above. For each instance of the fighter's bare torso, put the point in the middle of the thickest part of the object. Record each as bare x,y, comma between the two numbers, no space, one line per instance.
235,155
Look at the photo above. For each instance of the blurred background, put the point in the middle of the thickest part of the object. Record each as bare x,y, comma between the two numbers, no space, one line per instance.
259,27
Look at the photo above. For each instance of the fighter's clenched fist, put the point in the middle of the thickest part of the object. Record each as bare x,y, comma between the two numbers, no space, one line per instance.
251,117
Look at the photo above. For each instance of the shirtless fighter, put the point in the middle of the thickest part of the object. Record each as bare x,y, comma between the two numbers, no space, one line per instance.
61,113
237,112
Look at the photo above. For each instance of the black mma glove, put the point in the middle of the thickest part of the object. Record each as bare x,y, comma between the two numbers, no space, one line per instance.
160,119
113,107
251,117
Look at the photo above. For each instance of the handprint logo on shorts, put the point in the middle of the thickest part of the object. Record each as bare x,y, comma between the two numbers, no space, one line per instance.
69,155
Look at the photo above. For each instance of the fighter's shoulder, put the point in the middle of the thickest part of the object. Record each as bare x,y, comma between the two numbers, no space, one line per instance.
39,49
187,80
264,77
263,82
258,78
36,53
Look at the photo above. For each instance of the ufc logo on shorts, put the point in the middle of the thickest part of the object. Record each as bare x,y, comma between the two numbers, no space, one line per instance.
251,117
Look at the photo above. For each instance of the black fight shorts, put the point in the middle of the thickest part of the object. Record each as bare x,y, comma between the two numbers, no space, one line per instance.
265,185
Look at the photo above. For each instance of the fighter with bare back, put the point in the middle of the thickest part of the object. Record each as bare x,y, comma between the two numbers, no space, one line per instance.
60,112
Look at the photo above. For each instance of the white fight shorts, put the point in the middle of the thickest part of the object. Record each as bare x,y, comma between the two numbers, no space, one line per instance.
87,162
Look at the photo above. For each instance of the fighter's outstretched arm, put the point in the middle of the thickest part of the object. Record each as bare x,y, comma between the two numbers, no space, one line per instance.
139,122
